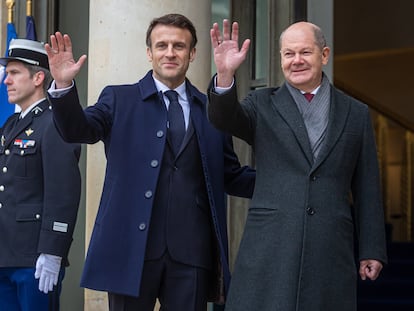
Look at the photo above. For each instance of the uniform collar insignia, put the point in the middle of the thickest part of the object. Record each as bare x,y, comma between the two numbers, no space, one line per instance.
36,110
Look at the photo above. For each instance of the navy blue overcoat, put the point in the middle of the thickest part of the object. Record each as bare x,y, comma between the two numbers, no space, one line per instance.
131,120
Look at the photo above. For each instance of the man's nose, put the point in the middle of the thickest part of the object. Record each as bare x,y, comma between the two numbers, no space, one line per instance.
170,51
298,58
7,79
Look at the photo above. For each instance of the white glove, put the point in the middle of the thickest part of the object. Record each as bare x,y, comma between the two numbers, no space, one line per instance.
47,271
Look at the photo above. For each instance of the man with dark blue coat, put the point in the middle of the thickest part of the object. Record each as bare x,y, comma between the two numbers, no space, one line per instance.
160,231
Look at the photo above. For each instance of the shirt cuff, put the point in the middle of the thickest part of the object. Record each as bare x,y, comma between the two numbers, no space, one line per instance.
221,90
57,93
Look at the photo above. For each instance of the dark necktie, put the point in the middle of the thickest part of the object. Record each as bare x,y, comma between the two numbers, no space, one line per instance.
176,129
18,119
308,96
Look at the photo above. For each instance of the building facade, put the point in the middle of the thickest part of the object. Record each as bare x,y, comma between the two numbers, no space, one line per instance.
112,34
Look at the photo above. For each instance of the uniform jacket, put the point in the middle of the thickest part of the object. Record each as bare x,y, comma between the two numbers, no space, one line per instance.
297,251
39,189
131,121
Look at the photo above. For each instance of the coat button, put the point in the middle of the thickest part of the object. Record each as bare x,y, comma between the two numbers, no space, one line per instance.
142,227
1,188
37,216
7,152
1,205
160,134
148,194
314,177
154,163
310,211
4,169
21,152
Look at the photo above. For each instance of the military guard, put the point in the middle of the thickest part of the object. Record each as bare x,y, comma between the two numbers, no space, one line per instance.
39,187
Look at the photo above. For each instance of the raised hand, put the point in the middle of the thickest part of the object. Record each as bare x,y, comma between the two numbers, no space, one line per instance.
227,55
62,65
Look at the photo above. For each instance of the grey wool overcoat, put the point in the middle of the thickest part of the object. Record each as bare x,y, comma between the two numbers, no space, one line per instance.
310,221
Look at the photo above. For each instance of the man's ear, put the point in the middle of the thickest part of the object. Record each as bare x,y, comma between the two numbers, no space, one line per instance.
192,54
149,54
39,77
326,51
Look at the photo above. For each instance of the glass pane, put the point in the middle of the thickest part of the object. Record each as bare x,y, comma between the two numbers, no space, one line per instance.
220,9
261,40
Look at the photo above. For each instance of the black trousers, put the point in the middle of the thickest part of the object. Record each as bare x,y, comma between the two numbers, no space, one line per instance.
177,286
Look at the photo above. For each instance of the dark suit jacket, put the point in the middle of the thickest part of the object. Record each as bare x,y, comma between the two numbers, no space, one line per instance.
131,120
297,251
40,189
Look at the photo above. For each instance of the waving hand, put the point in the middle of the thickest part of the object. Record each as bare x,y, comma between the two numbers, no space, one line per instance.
227,54
62,65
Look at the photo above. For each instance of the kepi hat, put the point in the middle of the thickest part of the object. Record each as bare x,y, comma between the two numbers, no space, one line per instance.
27,51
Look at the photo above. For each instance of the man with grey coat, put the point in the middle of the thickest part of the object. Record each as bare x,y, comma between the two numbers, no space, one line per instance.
317,202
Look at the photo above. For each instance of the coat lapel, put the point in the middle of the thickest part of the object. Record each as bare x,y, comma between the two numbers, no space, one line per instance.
286,106
9,130
187,137
195,119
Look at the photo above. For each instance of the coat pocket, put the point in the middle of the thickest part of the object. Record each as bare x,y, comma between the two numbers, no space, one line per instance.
25,161
28,212
28,223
